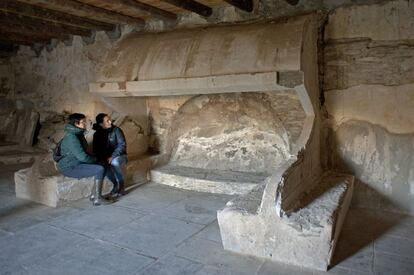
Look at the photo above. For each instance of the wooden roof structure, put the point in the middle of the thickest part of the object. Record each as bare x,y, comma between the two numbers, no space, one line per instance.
26,22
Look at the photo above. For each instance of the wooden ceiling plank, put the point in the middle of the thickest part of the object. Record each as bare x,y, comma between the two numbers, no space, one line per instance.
245,5
192,6
137,7
53,16
27,24
82,10
17,38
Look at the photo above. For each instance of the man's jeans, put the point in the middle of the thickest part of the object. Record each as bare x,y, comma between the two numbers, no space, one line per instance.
115,173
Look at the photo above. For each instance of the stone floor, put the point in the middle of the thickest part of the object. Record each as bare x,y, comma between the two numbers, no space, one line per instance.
157,229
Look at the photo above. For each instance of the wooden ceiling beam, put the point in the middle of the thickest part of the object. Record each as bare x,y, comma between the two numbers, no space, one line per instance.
133,6
16,38
82,10
192,6
12,6
292,2
246,5
27,25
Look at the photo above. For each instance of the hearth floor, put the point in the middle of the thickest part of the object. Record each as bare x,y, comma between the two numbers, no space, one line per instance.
207,180
158,229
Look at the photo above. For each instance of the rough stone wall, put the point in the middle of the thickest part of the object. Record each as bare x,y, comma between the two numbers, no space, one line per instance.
369,92
6,78
56,80
249,132
6,90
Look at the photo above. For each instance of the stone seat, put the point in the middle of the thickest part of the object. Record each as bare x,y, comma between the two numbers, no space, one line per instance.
42,183
52,190
305,237
207,180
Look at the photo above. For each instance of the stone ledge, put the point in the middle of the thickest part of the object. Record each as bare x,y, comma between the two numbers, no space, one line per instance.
207,180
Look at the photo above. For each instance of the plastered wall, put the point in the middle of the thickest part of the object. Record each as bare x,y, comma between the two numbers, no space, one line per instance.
369,97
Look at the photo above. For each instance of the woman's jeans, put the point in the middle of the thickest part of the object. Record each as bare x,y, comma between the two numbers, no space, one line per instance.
85,170
115,173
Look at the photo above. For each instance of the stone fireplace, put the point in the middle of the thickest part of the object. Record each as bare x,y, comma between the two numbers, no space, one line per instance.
235,110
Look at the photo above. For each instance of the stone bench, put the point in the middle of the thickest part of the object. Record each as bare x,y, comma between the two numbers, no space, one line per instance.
42,183
305,237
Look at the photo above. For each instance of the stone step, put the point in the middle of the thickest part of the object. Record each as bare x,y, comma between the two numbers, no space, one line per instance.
207,180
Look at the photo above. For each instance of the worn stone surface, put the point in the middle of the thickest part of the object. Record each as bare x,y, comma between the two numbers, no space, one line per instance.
6,78
42,183
182,53
45,240
383,163
304,237
207,180
391,20
368,90
54,190
350,63
387,107
244,135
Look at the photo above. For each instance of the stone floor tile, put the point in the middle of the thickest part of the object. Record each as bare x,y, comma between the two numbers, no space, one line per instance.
92,257
404,227
148,200
153,235
18,214
213,254
212,270
97,221
211,233
172,265
395,245
351,257
270,267
33,245
386,264
195,209
338,270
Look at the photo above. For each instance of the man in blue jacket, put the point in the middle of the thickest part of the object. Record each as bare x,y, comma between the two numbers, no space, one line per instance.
75,161
109,146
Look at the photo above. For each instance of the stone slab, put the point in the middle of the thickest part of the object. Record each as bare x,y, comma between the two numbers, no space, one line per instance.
212,254
305,237
95,222
151,198
199,209
94,256
238,83
53,191
206,180
34,245
172,265
391,264
154,235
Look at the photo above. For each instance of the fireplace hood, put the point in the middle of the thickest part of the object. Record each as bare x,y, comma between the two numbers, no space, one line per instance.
259,57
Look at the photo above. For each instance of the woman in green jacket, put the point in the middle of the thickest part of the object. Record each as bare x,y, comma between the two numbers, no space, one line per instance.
76,162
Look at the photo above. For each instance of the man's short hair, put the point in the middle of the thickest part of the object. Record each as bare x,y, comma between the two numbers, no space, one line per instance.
75,118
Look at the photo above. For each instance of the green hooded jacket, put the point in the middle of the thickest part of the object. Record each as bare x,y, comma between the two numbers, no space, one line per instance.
73,148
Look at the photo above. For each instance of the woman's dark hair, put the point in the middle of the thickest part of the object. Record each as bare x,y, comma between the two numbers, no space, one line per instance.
75,118
99,119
